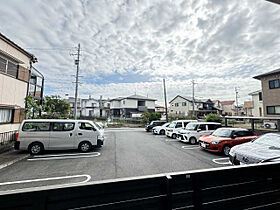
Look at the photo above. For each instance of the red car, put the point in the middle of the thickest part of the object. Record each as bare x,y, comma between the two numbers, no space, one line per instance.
222,139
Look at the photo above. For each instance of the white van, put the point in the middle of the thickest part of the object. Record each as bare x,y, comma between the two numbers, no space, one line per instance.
193,131
175,126
47,134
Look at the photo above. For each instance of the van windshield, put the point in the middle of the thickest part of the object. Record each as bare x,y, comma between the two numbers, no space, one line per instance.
191,126
172,125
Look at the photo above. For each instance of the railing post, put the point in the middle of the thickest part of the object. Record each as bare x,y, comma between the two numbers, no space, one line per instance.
169,192
253,125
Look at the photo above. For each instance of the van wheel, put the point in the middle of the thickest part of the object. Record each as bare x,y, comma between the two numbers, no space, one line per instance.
174,136
36,148
85,146
162,132
192,140
226,150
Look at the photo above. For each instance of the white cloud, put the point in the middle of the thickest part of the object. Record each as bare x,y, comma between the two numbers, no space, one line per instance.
219,43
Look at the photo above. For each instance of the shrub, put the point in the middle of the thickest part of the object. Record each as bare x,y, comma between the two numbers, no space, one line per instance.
213,118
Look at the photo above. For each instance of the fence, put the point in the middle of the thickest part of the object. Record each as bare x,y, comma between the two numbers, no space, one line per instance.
242,187
7,137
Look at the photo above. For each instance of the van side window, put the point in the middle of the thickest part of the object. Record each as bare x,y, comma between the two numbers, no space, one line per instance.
178,125
36,126
63,126
202,127
213,126
86,126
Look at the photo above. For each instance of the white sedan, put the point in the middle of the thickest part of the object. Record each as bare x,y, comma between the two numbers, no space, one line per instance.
160,130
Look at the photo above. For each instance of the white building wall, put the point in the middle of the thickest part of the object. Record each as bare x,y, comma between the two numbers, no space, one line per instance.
15,53
129,103
150,104
115,104
257,106
12,91
183,110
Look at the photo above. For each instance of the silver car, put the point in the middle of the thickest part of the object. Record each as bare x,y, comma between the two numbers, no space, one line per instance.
266,148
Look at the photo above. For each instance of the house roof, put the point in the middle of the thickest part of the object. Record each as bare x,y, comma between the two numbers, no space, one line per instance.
138,97
227,102
196,100
276,71
10,42
255,92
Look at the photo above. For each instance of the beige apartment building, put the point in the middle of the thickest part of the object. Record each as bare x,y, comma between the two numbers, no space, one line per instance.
15,65
228,108
270,92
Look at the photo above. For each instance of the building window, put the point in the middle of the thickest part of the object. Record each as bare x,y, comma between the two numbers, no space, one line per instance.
31,90
176,104
273,109
123,101
184,103
8,67
6,115
3,64
274,84
171,110
260,96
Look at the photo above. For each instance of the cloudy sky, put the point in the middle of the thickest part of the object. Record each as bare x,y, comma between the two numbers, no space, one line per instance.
129,46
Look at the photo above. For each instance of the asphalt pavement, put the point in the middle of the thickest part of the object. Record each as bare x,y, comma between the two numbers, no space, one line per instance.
128,152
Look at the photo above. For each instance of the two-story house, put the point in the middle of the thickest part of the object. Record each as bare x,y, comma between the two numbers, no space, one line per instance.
257,110
228,107
124,107
183,106
90,108
17,78
270,92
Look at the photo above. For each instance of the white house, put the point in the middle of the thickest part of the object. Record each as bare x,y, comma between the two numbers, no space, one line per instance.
90,108
124,107
257,110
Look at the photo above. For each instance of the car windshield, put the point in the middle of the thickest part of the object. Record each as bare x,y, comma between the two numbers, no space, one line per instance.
172,125
222,132
269,140
191,126
98,126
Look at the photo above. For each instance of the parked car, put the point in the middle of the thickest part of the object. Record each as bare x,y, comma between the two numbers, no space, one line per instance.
271,125
266,148
160,129
222,139
150,126
175,126
193,131
39,135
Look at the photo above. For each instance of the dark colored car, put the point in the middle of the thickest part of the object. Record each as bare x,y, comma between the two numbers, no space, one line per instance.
266,148
223,139
154,124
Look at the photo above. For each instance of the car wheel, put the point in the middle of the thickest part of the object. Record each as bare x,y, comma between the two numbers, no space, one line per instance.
193,140
267,125
162,132
174,136
226,150
36,148
85,146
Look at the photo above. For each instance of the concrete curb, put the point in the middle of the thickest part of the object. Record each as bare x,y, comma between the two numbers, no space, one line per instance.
4,165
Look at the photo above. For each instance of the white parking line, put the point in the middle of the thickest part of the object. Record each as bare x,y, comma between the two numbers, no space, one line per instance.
171,140
190,147
222,161
64,156
88,177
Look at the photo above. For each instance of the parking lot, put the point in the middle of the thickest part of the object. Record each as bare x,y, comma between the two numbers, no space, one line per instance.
127,152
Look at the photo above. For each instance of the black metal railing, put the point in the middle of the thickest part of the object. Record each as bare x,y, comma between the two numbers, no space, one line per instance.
238,187
7,137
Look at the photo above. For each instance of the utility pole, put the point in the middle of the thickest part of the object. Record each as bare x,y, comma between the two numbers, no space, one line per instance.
236,98
193,83
77,61
164,89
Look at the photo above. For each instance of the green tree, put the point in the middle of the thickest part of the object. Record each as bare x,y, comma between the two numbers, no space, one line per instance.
213,118
154,116
55,107
145,117
32,107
